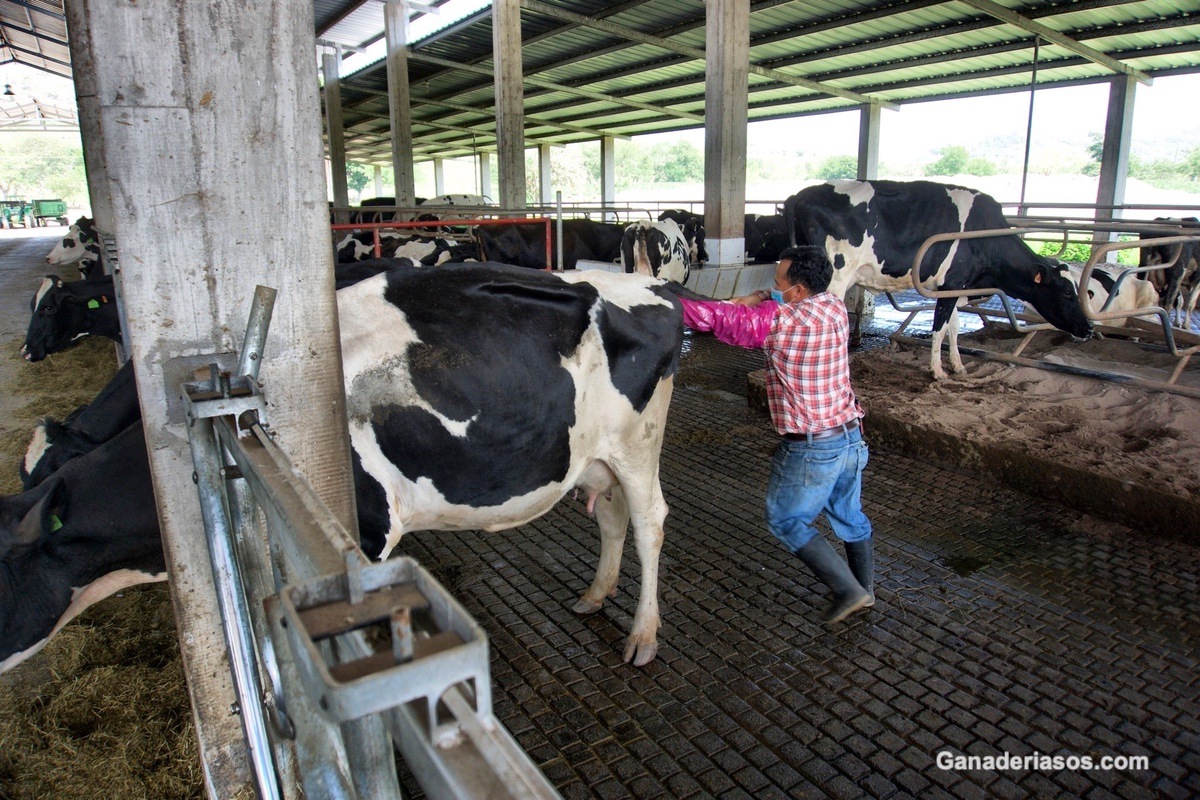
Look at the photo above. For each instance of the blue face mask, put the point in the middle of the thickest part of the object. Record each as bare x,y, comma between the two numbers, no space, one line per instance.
777,295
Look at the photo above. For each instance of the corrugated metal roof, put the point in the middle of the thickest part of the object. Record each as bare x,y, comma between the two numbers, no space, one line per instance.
34,33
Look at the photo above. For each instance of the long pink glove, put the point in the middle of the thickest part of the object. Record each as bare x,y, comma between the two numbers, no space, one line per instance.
731,323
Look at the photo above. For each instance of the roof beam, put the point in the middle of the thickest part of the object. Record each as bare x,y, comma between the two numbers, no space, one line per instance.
634,35
1049,34
557,87
31,7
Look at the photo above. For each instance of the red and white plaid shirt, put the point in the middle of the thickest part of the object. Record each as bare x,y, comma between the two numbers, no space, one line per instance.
808,366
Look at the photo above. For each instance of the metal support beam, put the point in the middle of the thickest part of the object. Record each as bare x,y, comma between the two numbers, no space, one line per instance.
1118,132
395,31
334,129
726,85
1051,35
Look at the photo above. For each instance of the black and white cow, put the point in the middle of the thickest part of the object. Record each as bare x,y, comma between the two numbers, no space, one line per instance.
692,225
64,311
1178,285
659,249
1106,291
360,245
80,245
479,395
524,244
55,443
88,531
766,238
873,229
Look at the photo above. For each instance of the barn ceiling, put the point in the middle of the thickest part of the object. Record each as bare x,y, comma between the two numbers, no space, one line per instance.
34,33
595,67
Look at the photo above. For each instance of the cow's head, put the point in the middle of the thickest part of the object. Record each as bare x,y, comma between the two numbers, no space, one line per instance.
693,232
74,245
1054,294
58,318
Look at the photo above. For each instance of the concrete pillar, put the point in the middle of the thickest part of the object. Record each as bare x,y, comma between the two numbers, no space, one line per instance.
1118,129
378,180
510,101
439,176
868,142
395,31
727,46
545,182
88,108
330,66
608,172
485,174
210,122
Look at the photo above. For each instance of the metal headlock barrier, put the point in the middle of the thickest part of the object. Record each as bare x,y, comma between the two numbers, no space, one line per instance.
1178,342
334,658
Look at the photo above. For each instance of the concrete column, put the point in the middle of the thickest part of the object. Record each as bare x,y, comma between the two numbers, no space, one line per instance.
510,101
395,31
545,182
727,48
335,130
439,176
88,108
485,174
868,142
608,172
210,122
1118,130
378,180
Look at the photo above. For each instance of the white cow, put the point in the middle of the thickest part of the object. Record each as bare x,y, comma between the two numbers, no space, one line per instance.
659,249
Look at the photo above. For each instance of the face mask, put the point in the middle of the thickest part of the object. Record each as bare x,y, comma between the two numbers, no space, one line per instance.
777,295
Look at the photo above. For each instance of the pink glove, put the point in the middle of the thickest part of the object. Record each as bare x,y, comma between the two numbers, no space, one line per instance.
731,323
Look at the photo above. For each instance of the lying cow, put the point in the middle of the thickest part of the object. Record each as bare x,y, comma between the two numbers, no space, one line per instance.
65,311
1130,294
873,229
360,245
478,396
55,443
80,246
82,535
658,249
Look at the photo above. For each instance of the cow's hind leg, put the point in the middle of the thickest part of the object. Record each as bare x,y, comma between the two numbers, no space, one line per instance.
647,510
613,516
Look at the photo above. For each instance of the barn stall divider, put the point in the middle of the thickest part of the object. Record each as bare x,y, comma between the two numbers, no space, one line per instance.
301,606
1134,323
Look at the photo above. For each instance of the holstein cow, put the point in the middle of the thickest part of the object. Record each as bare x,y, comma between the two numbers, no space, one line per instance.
873,229
524,244
480,394
659,249
80,245
360,245
55,443
64,311
1179,285
692,225
88,531
1131,293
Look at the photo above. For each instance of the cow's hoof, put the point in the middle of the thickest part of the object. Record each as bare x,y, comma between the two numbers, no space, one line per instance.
640,653
586,606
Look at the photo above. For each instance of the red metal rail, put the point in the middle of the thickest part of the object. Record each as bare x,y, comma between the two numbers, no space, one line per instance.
375,227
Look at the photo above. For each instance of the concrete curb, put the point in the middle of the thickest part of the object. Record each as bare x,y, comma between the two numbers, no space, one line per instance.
1143,507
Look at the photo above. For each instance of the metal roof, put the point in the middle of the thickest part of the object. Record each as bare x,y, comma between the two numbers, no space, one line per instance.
35,115
594,67
34,33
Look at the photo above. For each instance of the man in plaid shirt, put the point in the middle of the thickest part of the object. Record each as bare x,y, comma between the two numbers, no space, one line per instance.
818,465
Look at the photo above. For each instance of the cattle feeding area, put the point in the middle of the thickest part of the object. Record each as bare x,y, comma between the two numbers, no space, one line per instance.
1002,618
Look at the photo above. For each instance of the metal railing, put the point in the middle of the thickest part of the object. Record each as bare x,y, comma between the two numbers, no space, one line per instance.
302,607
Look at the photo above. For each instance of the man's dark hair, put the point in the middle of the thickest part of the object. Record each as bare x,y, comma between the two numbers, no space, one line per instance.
810,266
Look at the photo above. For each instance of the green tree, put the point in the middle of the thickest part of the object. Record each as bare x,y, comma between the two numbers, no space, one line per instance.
980,166
837,168
1191,164
357,178
952,161
677,163
42,165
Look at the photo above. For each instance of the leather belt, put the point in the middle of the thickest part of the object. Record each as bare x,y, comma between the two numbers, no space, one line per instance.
839,430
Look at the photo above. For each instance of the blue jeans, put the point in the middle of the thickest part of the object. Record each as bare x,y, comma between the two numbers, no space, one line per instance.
807,479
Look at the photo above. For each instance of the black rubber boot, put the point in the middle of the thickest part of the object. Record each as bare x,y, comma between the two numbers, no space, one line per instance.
861,557
828,566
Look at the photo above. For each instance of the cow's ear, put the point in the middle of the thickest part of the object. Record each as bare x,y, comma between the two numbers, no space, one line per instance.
46,516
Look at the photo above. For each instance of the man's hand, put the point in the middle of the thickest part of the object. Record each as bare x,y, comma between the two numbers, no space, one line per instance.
752,299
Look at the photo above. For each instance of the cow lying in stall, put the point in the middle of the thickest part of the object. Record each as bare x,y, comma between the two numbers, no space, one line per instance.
360,245
873,229
80,245
478,396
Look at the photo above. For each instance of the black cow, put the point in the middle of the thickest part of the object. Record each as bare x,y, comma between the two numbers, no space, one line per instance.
524,244
88,531
873,229
55,443
1178,285
766,238
80,245
480,394
65,311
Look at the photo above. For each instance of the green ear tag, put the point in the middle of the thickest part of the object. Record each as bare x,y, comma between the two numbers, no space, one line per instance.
93,304
55,523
